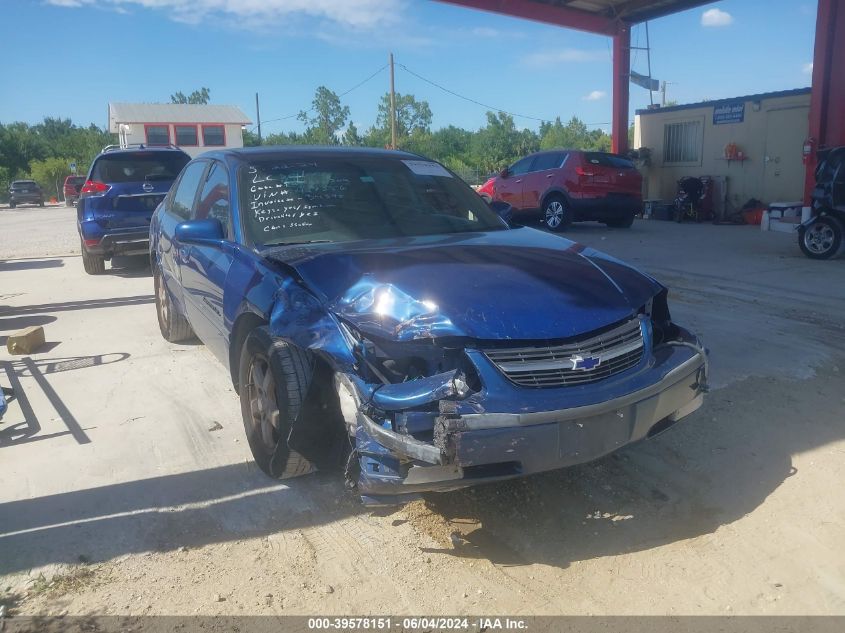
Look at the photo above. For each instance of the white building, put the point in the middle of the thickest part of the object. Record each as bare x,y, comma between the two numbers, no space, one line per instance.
194,128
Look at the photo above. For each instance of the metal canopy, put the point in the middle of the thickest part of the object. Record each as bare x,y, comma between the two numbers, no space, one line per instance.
605,17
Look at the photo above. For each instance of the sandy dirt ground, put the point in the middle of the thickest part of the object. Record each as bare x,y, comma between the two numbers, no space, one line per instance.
134,492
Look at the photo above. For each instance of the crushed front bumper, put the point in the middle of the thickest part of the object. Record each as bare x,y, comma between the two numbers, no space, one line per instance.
470,444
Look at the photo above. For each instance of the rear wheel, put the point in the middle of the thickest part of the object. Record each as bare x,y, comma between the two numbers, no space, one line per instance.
556,214
174,327
822,239
93,264
12,205
40,203
274,378
623,222
68,202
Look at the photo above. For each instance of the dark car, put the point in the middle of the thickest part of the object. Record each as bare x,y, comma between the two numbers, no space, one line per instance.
823,235
372,309
25,192
72,187
123,188
566,186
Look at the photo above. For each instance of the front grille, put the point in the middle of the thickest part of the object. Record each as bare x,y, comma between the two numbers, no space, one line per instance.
576,363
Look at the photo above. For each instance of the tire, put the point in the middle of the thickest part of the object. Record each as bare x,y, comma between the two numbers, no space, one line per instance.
68,203
41,203
173,326
822,239
625,222
274,378
12,205
556,213
93,264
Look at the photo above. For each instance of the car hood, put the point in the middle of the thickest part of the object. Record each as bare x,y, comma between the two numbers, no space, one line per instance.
508,284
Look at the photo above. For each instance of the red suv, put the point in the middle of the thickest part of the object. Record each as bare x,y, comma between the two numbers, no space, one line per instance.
72,187
566,186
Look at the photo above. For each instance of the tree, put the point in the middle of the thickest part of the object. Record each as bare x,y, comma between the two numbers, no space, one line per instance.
50,174
351,136
201,96
328,119
411,115
500,143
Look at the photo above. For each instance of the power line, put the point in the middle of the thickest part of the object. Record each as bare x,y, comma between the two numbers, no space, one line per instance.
311,109
483,105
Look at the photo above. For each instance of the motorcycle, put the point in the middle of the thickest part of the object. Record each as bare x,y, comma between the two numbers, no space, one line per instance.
822,236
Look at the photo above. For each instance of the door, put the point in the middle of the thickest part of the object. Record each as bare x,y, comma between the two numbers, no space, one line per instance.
204,267
540,178
177,209
783,171
510,189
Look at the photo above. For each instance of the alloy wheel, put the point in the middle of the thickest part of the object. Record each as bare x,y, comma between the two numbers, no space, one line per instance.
264,410
819,238
554,214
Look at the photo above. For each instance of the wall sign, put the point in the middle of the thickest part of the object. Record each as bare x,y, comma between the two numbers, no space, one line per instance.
729,113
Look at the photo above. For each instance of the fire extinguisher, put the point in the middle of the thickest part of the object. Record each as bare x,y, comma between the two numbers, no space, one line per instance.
809,150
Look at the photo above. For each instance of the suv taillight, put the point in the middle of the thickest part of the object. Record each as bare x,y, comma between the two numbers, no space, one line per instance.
583,172
92,186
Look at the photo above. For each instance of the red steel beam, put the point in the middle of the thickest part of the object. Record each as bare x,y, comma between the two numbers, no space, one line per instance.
546,13
820,97
620,96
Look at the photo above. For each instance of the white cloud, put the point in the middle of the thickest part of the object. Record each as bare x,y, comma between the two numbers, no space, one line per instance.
563,56
716,17
485,31
595,95
364,14
807,68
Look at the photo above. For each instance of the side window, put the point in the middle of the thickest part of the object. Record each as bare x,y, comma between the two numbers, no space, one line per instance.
214,199
521,166
552,160
186,189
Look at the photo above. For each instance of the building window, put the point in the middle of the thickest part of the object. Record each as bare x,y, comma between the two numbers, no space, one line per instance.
213,135
682,142
186,135
157,134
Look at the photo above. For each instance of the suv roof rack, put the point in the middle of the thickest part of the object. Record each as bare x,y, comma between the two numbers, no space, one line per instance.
114,148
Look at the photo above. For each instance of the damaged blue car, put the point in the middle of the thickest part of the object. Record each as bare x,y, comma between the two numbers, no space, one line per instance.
374,312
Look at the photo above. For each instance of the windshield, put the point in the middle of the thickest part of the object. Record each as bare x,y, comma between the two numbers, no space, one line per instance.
139,166
289,201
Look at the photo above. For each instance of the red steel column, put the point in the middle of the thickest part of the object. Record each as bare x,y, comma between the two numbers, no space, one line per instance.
827,100
620,96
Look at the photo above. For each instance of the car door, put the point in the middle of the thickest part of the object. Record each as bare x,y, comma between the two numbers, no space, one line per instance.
510,189
540,178
177,208
204,267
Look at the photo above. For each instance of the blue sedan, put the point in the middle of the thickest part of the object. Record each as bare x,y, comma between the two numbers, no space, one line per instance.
374,312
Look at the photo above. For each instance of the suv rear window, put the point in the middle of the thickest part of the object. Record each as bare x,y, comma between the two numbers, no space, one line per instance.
22,184
139,166
75,180
608,160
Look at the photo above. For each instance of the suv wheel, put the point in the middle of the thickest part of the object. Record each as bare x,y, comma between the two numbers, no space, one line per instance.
93,264
12,205
623,222
174,327
274,378
822,239
556,214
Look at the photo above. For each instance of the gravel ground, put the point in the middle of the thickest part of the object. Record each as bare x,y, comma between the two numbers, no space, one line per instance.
33,231
160,511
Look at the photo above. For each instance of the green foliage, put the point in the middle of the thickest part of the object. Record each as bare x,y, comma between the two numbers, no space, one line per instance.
573,135
329,117
201,96
412,116
50,174
351,136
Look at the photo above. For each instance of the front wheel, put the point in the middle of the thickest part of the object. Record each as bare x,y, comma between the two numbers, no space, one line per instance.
822,239
274,378
556,214
173,326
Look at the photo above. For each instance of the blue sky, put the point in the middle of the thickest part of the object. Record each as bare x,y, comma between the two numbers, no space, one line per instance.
69,58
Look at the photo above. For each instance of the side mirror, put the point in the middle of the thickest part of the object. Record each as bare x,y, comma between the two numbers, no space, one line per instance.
504,173
208,232
502,209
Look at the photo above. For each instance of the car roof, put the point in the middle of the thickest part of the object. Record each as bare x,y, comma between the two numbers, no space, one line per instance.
311,151
24,180
143,149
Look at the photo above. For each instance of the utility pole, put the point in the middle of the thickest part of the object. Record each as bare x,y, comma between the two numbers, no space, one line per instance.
663,98
258,117
392,107
648,58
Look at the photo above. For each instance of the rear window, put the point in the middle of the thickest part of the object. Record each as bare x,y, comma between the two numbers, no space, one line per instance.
608,160
23,184
75,180
137,167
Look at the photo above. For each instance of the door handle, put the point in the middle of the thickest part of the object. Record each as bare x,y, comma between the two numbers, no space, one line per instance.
550,175
520,180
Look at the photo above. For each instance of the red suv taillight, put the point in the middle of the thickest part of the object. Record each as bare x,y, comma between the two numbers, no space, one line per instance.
583,172
92,186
